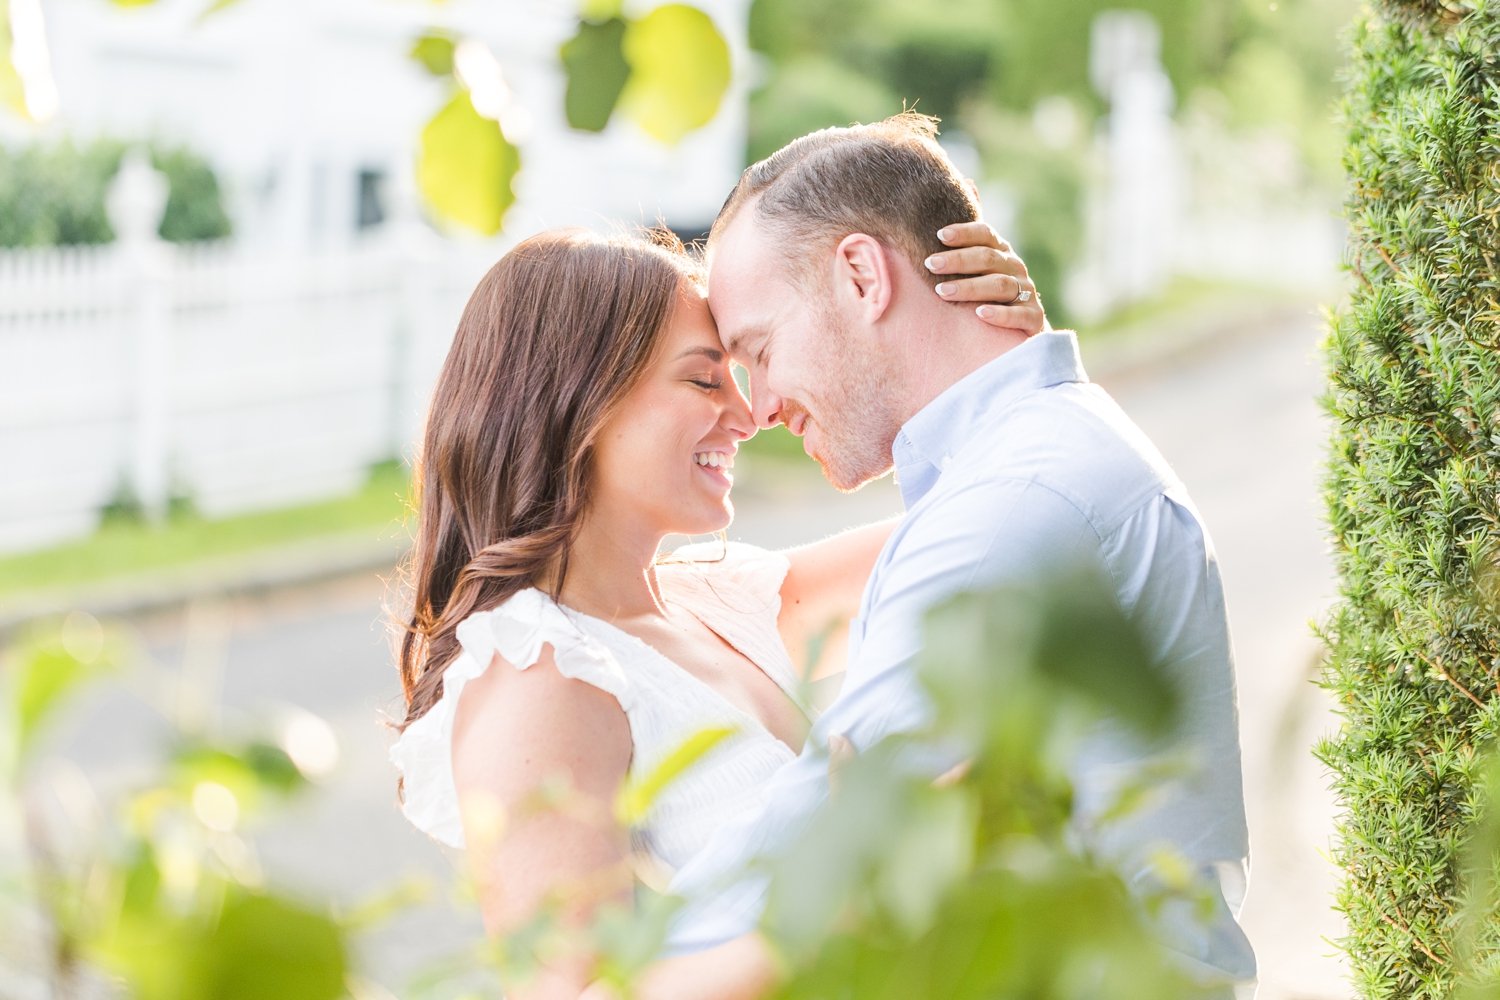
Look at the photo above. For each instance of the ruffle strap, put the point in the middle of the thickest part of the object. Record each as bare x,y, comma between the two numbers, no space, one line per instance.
517,630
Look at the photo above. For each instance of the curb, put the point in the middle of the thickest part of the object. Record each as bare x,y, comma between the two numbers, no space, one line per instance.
1124,355
264,571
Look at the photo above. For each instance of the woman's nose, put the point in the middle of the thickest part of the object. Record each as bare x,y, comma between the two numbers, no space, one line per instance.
737,415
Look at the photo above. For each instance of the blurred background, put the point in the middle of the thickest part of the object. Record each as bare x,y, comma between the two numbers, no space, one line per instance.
235,239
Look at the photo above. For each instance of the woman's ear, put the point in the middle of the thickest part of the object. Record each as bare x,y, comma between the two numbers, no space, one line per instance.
862,275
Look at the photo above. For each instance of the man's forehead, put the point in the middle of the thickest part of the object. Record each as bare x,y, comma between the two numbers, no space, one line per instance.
741,277
739,249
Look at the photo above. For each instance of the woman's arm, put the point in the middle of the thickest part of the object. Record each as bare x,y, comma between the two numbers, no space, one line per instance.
821,594
517,732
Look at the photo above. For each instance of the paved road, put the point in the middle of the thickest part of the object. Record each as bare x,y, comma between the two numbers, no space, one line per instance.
1238,422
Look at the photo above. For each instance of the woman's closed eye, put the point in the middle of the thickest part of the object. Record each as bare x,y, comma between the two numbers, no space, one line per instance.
708,383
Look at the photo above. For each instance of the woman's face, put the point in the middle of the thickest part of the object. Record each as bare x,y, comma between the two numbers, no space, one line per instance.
662,463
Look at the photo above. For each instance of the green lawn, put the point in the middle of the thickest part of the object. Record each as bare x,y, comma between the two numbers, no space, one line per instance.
123,548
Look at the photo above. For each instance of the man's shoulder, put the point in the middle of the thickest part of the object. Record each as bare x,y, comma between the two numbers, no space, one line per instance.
1071,440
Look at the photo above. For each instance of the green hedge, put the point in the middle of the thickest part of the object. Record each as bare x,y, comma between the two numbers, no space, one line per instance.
1413,493
55,195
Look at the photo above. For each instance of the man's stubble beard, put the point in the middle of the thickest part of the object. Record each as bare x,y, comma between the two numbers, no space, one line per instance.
854,445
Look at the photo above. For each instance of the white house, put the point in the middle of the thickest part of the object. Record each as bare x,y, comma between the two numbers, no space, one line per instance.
277,368
311,111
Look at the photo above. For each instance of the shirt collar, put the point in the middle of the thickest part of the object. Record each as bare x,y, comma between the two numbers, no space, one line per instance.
936,432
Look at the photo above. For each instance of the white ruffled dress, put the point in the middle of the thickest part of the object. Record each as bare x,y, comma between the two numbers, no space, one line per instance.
737,597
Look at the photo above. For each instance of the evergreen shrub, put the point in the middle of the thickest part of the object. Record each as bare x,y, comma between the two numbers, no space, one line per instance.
1413,498
55,195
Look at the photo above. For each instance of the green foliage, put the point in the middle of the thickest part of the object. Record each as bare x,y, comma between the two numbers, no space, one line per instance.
167,899
44,672
127,546
466,166
1411,490
12,95
195,209
1009,54
667,70
679,71
594,61
434,52
983,66
641,791
55,195
904,888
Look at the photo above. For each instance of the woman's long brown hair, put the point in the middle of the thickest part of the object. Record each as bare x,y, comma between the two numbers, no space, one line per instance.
557,332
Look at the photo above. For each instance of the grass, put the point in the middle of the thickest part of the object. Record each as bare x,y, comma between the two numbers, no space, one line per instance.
123,547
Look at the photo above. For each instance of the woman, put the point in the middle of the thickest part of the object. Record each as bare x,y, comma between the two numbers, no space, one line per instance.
585,412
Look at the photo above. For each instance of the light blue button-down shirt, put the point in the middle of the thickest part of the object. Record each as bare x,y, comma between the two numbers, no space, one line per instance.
1019,468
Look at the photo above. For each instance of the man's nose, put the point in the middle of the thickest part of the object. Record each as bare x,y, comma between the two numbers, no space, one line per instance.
765,407
737,418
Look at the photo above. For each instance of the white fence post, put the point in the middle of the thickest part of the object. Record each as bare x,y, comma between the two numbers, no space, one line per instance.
137,198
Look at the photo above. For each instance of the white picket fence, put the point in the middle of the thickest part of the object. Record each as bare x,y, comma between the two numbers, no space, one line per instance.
158,371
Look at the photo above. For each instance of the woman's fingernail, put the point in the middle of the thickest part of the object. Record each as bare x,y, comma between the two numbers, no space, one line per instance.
946,288
945,234
986,312
935,262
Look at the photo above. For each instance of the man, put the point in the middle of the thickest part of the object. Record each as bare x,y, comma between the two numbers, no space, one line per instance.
1010,464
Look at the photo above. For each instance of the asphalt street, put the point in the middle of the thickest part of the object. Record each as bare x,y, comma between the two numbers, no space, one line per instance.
1236,418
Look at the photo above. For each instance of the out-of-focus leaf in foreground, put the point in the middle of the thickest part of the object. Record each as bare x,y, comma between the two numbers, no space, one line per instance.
594,61
679,71
434,51
639,793
466,166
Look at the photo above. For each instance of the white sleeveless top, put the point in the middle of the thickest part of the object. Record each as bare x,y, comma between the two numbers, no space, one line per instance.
738,598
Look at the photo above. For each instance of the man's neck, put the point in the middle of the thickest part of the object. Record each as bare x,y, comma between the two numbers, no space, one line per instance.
944,352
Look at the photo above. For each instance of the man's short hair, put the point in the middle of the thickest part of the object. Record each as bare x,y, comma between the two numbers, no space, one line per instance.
889,179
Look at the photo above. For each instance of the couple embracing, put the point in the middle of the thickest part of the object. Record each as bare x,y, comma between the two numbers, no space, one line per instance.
587,410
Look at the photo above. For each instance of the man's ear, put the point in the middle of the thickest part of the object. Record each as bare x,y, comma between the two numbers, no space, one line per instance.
862,275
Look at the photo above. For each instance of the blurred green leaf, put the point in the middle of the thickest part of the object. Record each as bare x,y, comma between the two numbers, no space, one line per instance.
387,903
11,93
434,51
48,672
639,793
927,855
132,3
265,946
466,166
594,61
250,774
631,938
814,881
274,767
679,71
